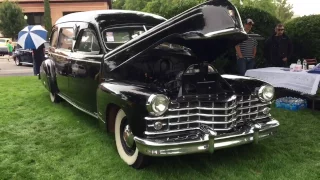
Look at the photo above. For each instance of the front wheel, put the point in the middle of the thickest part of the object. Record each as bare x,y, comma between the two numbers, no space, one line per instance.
17,61
126,147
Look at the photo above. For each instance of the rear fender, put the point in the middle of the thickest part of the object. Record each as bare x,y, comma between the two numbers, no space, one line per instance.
47,75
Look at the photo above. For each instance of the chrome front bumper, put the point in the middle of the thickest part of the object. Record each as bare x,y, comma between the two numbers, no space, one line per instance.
209,142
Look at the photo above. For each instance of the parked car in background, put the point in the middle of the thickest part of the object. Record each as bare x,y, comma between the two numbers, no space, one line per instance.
3,46
148,80
25,56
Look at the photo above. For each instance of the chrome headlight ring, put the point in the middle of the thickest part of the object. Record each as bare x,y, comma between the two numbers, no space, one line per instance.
266,93
157,104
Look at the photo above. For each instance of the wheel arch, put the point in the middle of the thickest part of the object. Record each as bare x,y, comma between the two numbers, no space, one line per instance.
48,76
112,97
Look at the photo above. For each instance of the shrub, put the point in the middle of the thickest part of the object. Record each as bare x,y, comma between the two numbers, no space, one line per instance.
305,36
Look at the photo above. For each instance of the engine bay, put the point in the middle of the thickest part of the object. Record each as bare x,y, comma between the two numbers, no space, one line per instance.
175,73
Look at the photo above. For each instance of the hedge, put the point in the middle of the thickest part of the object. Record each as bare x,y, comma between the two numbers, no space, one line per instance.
305,35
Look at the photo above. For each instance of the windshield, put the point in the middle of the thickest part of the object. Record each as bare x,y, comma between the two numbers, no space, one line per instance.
114,37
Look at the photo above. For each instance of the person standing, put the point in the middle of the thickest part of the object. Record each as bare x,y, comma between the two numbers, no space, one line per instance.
38,57
278,48
246,51
10,49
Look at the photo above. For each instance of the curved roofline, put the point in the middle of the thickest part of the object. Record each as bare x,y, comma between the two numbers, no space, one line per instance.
89,16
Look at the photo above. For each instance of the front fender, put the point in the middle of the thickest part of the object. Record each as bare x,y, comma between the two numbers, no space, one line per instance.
243,85
130,98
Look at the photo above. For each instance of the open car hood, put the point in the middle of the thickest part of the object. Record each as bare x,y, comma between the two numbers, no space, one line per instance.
208,29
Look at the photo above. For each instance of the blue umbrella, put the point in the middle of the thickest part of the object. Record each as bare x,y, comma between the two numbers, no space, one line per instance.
31,37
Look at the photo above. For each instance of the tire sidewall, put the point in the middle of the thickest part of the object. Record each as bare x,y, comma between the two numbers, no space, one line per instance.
17,61
130,160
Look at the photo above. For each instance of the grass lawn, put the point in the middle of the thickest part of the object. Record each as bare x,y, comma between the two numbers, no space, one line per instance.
41,140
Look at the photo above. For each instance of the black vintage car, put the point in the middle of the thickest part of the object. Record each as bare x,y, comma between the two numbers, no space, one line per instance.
25,56
148,80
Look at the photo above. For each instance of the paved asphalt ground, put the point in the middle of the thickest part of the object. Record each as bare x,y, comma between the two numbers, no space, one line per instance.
10,68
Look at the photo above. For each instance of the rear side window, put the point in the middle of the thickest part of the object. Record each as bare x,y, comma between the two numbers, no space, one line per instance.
66,38
2,41
117,36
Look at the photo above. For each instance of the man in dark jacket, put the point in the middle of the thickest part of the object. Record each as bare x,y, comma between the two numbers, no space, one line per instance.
278,48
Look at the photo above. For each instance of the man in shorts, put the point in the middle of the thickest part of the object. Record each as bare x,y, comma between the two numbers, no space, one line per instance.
10,49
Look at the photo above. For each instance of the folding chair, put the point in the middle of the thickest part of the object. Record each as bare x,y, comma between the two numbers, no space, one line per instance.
311,61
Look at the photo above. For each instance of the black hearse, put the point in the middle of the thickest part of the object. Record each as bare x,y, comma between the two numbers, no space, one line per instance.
148,80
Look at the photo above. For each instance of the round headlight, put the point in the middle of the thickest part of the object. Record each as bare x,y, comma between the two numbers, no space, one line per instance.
157,104
266,93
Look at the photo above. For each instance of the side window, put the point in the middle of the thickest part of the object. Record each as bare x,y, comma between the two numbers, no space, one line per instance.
118,36
54,38
88,43
65,38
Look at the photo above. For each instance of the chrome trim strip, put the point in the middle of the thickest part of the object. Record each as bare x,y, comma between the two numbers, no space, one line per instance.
202,108
248,101
152,125
258,105
26,63
180,130
82,60
258,118
203,122
188,115
77,106
246,114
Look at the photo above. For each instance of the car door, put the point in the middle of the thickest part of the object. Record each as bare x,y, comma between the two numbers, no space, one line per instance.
61,45
85,69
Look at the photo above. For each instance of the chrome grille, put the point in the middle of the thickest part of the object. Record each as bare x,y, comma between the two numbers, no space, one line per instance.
250,107
220,115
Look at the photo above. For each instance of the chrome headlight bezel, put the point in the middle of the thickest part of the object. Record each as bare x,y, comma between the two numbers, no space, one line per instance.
262,93
151,106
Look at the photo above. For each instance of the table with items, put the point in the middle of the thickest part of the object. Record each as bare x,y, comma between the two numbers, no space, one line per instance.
300,81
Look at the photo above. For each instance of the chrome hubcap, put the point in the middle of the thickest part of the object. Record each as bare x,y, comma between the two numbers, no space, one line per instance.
128,136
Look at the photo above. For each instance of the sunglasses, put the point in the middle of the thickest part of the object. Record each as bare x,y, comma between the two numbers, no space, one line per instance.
280,29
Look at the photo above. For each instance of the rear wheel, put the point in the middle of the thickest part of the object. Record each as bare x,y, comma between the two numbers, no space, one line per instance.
126,147
54,97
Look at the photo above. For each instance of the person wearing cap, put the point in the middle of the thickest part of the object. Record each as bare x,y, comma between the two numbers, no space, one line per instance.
246,51
278,48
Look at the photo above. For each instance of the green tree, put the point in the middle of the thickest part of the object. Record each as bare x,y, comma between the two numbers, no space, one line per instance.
278,8
118,4
284,10
136,5
170,8
305,36
11,19
47,16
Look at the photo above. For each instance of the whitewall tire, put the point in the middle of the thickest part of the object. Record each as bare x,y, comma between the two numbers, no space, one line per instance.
17,61
54,97
129,155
